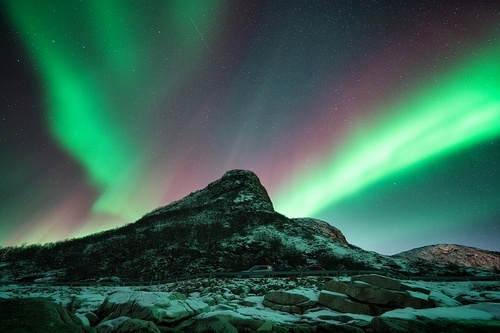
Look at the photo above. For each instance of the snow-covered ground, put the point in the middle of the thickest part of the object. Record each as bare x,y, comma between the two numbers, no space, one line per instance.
243,298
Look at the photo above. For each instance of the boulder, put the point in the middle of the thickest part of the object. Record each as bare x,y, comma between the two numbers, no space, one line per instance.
342,303
27,315
126,325
287,301
379,281
491,308
367,293
412,287
158,307
438,299
207,324
324,327
397,325
285,298
458,320
266,327
335,286
137,326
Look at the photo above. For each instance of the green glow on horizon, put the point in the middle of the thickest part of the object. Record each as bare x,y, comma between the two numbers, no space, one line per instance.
461,109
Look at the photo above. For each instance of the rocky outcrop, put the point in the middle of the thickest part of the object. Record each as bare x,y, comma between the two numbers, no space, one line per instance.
230,305
460,320
158,307
335,286
368,293
28,315
237,189
342,303
287,301
379,281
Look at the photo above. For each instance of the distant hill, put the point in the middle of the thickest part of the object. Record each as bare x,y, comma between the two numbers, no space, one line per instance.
453,254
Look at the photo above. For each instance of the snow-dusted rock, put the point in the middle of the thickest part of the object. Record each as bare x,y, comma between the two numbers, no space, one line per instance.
159,307
208,324
108,326
335,286
379,281
27,315
438,299
491,308
136,326
287,301
368,293
342,303
412,287
460,319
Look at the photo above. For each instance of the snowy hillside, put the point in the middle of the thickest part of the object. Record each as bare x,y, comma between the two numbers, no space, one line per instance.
228,226
455,255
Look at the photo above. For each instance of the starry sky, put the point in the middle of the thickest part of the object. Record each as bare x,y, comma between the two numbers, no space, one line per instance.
380,117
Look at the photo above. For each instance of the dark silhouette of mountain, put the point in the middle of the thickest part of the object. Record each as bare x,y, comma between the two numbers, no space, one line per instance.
230,225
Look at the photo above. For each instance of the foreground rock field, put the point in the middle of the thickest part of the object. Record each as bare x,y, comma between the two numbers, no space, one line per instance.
364,303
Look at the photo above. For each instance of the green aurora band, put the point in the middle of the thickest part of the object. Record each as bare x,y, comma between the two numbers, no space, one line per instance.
91,74
460,110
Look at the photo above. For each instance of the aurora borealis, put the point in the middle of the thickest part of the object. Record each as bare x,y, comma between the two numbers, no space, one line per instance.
380,117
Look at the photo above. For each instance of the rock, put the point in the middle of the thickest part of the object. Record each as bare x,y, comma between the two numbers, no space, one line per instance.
40,315
126,325
365,292
352,319
137,326
287,301
85,321
285,297
109,326
246,325
241,289
158,307
396,325
342,303
379,281
458,320
491,308
437,298
266,327
323,327
412,287
335,286
208,324
92,318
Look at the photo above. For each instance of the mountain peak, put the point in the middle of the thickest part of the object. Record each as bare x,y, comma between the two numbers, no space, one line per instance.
236,190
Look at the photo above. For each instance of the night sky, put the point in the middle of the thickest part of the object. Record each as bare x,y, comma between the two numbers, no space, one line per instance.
380,117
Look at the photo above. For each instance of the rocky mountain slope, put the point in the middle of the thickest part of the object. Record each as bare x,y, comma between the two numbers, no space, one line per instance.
230,225
453,254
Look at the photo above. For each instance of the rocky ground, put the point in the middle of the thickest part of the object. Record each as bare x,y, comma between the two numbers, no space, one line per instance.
366,303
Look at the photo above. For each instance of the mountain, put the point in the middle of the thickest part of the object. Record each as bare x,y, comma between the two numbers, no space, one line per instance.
452,254
230,225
